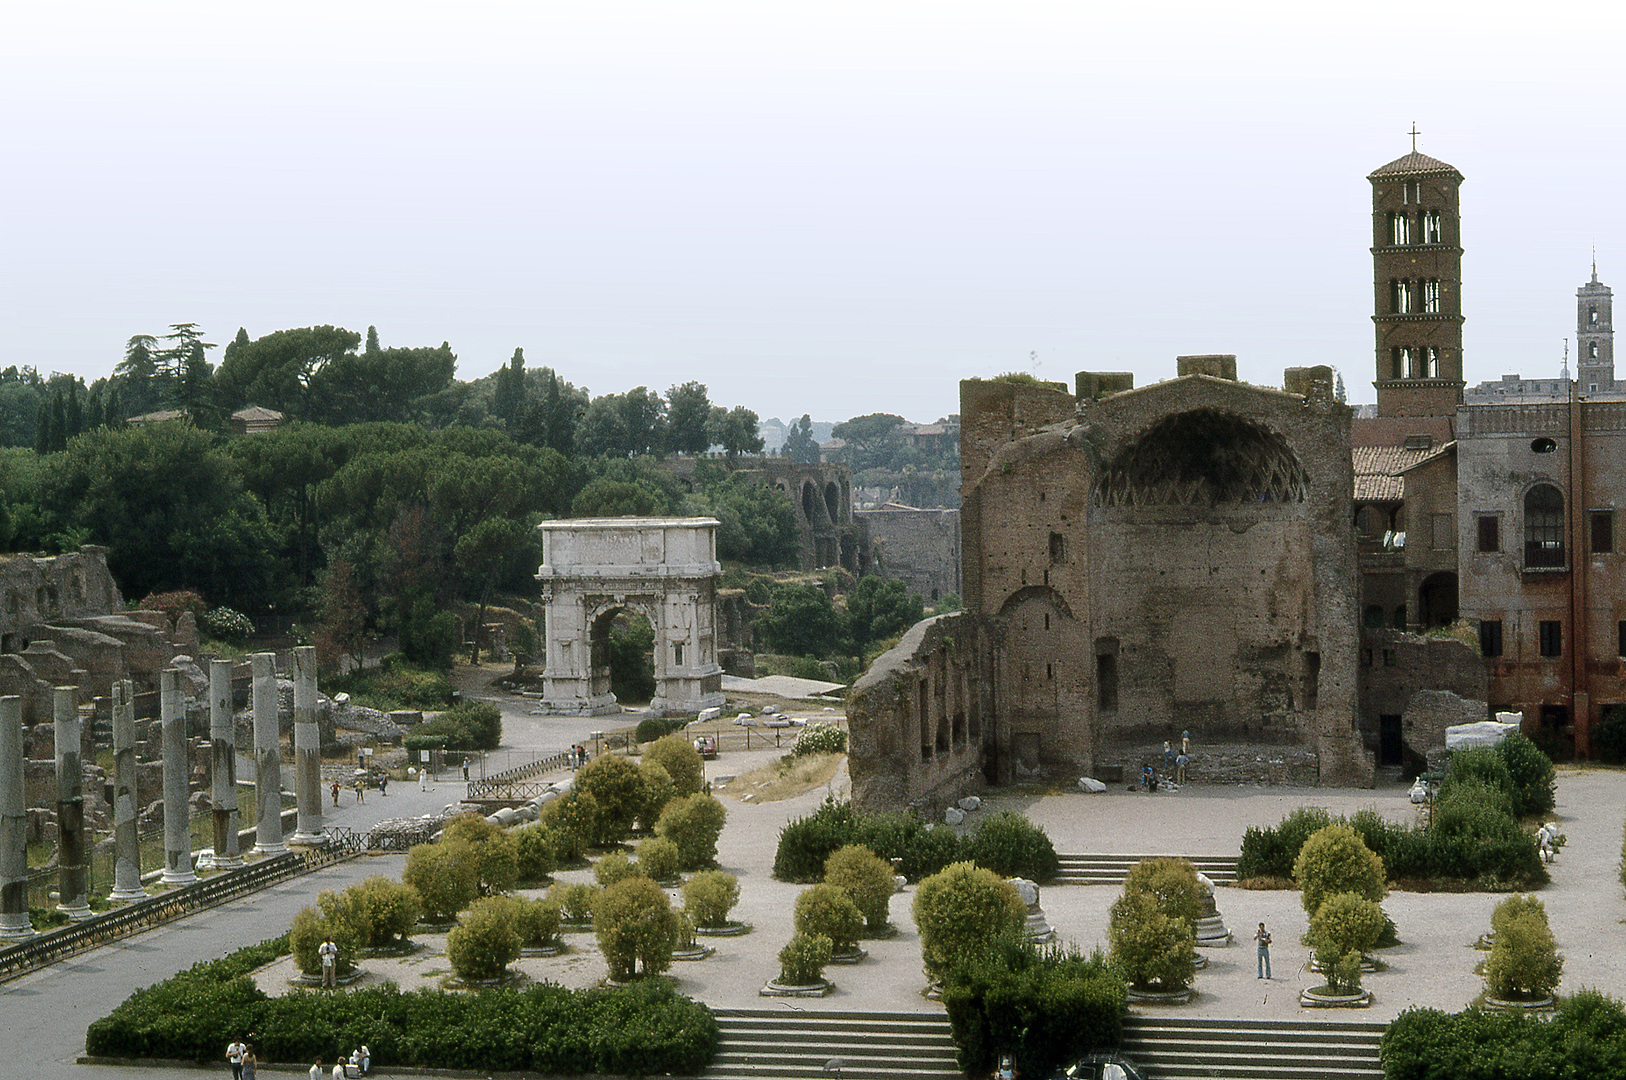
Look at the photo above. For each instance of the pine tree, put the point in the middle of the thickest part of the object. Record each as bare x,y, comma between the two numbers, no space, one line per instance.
372,341
76,414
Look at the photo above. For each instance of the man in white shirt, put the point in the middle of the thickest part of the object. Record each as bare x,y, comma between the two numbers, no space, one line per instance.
329,953
234,1054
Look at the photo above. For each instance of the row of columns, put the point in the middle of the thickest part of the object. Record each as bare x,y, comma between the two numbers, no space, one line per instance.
72,840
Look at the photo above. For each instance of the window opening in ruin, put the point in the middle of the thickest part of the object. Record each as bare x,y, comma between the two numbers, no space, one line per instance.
1400,617
925,722
1047,576
1372,617
1106,682
1431,296
1551,635
1391,744
1204,457
1058,549
1049,671
1543,446
1399,228
1312,680
1603,531
677,654
1490,532
1543,527
1047,620
8,643
1490,637
1432,233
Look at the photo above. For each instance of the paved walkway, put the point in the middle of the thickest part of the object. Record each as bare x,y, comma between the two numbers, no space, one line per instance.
45,1013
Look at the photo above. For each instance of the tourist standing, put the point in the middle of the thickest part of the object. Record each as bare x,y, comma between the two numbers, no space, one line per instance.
1168,758
329,953
1263,939
383,782
234,1054
423,778
361,789
248,1065
1180,763
317,1072
335,793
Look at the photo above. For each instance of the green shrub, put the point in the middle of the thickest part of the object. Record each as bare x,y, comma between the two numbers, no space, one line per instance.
921,849
227,625
636,927
649,729
467,726
575,900
395,684
866,878
573,820
485,941
537,922
677,755
496,855
1271,852
446,877
1345,926
614,867
1334,860
313,925
709,896
1480,764
535,853
820,739
383,911
828,911
659,859
1047,1006
1585,1038
615,785
655,791
802,960
693,823
1012,846
960,911
1531,773
1524,961
1151,948
1172,884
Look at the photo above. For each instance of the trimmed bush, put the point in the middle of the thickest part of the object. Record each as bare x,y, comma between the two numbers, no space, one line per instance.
1271,852
535,853
1524,961
496,856
1012,846
383,911
482,945
313,925
467,726
681,760
693,823
537,922
1531,773
866,878
1344,928
656,790
1152,949
1333,860
614,867
1586,1037
1172,884
573,820
828,911
615,785
709,896
960,911
659,859
575,900
446,877
802,960
1017,847
820,739
636,928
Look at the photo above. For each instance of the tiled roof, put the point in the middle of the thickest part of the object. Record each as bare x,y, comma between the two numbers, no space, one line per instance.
1378,468
1415,164
256,412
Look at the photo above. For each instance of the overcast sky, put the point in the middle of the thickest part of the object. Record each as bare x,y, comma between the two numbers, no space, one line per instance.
829,206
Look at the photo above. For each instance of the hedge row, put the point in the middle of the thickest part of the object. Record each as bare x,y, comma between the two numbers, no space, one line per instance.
1585,1038
642,1030
1005,843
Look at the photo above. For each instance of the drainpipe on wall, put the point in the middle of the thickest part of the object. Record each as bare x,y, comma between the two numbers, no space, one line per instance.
1580,692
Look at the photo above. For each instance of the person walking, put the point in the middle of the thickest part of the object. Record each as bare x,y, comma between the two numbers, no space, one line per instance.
249,1061
423,778
361,791
383,782
1263,940
329,953
234,1055
335,793
317,1072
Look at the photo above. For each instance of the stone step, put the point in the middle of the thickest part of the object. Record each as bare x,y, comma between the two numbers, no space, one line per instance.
1255,1049
800,1044
1112,869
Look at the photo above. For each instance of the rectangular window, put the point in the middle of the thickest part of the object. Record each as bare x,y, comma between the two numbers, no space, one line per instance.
1445,532
1620,646
1490,533
1058,549
1490,637
1397,364
677,654
1432,233
1431,296
1603,531
1551,634
1106,683
1400,228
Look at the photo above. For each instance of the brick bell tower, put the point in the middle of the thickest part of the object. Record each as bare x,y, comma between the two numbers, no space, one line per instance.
1417,286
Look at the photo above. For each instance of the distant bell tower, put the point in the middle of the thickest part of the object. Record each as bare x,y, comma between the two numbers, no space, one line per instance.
1595,336
1417,286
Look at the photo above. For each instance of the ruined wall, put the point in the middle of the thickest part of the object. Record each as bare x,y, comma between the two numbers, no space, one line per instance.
917,720
921,548
1396,667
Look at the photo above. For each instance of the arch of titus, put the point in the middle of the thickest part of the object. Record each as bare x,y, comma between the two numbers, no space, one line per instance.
664,569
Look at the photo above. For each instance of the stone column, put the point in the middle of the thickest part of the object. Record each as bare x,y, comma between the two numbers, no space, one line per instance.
70,807
223,765
126,844
177,808
267,757
307,748
14,921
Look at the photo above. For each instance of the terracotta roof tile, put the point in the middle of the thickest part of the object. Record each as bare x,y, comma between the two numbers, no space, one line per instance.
1415,164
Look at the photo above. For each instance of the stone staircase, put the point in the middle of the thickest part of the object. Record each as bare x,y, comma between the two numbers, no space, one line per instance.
789,1043
1169,1048
1111,869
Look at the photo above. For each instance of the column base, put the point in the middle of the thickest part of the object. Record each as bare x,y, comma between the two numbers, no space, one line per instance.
13,930
306,838
230,862
181,878
278,848
76,913
126,896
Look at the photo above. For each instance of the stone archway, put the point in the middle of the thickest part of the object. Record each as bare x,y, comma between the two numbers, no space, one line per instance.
665,569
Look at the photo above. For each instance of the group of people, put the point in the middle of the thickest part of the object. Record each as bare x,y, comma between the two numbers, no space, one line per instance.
241,1057
1174,764
361,788
359,1063
578,756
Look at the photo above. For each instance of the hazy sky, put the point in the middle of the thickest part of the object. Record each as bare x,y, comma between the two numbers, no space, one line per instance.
831,207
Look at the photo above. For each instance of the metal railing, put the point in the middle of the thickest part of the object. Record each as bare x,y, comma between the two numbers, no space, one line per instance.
54,945
519,783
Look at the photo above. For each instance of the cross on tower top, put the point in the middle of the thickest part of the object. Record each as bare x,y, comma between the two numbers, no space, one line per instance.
1414,133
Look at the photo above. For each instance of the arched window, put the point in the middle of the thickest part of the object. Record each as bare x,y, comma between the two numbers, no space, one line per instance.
1543,526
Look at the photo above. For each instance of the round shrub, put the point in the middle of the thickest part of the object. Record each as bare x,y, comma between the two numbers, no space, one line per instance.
445,877
312,926
1012,846
1151,948
485,941
1270,852
537,922
228,625
383,911
657,789
573,820
1343,929
693,823
827,910
1531,773
614,867
575,900
820,739
1172,884
1334,860
649,729
709,896
614,784
659,859
1481,764
959,911
535,853
802,960
496,857
866,878
636,927
467,726
681,760
1524,961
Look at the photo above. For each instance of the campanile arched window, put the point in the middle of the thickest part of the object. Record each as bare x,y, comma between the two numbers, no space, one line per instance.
1543,526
